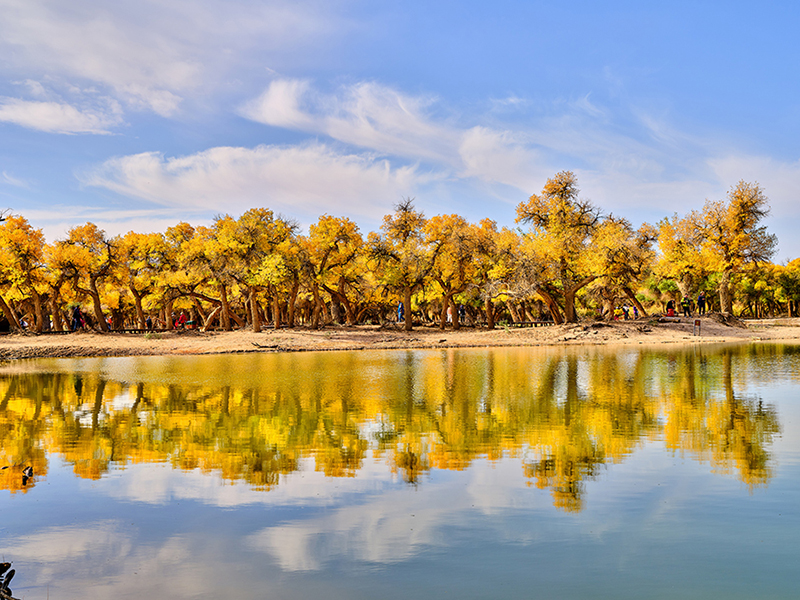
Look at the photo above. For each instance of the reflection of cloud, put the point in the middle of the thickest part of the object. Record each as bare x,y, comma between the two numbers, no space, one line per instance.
103,560
398,523
159,483
58,544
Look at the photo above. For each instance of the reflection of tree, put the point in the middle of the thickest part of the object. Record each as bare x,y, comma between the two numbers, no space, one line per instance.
565,415
586,428
728,430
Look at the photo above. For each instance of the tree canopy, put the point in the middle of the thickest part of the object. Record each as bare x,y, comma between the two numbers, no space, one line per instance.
573,261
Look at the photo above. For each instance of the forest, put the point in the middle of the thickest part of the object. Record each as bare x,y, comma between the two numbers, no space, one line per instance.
566,260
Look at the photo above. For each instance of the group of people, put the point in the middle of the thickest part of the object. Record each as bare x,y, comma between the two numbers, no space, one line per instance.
624,312
687,306
80,321
462,313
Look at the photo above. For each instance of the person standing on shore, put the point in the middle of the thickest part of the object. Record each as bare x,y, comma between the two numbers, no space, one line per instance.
686,307
701,303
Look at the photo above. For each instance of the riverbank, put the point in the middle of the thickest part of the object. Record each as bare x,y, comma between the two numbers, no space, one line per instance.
641,331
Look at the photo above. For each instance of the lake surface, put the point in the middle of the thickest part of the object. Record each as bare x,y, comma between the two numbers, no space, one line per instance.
483,473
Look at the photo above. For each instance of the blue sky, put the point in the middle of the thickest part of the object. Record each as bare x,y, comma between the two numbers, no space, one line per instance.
137,115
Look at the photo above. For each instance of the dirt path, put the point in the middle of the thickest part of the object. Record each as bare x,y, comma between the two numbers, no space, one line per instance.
642,331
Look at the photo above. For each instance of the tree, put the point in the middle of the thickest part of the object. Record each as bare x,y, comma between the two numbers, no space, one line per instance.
22,266
335,250
404,254
682,256
138,266
251,242
563,227
453,268
624,256
87,257
730,230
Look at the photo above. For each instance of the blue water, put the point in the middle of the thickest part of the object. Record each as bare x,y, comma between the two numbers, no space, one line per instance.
653,518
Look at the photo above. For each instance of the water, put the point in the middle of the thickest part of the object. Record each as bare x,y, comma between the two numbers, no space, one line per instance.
502,473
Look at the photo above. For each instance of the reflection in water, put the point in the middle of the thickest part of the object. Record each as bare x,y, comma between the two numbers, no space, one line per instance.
254,418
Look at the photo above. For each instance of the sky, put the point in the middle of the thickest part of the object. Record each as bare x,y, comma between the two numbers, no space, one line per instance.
139,115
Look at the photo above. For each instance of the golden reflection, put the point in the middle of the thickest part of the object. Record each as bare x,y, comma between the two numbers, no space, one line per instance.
566,414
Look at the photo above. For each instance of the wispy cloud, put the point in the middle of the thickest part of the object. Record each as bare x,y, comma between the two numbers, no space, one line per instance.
58,117
304,181
151,56
366,114
11,180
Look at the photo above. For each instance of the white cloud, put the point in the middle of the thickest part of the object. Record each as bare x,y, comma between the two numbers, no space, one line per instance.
151,55
496,156
11,180
302,181
366,114
279,105
57,117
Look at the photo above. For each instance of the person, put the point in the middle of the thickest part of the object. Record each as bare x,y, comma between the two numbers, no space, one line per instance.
182,318
462,313
701,303
401,311
671,308
635,312
149,323
625,312
687,309
77,318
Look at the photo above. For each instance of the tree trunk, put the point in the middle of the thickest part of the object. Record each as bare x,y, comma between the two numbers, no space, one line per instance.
570,314
292,309
199,308
255,318
137,300
210,319
632,297
54,310
9,313
226,309
685,285
98,308
37,310
489,309
552,305
725,296
317,311
512,308
276,310
349,313
168,322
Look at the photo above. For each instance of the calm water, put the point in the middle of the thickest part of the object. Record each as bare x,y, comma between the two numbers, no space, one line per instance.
504,473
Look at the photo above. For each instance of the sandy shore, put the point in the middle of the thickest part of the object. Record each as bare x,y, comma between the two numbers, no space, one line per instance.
642,331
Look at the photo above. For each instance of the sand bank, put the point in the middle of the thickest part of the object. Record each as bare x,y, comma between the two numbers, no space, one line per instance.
642,331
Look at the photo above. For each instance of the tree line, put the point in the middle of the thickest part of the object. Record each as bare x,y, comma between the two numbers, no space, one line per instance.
565,260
